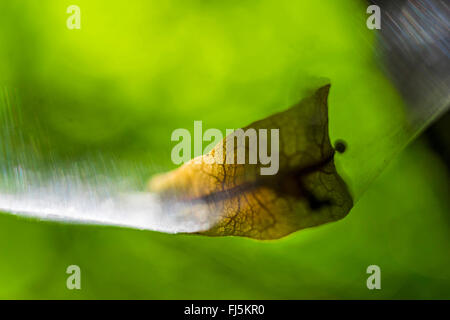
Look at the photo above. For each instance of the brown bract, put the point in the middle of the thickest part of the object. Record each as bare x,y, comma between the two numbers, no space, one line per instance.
305,192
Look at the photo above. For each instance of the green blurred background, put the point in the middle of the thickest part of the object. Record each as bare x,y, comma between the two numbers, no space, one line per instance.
138,70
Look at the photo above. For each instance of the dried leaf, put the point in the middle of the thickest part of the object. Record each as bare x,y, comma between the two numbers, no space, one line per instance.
307,191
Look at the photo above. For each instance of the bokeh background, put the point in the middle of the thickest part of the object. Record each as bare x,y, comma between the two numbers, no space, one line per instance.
138,70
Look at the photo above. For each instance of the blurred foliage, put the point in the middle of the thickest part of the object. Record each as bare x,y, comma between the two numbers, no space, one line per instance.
138,70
